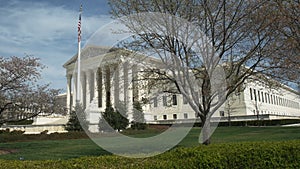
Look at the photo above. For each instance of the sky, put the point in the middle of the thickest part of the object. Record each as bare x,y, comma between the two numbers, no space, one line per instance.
47,29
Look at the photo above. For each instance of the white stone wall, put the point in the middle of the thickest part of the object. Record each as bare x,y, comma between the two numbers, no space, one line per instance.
239,104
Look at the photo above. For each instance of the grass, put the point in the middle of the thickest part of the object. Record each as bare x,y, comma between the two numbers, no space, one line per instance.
73,148
53,149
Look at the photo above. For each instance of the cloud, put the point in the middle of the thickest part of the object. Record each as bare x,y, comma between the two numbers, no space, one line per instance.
45,31
42,23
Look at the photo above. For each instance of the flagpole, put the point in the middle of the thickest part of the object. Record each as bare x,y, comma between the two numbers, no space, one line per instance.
78,57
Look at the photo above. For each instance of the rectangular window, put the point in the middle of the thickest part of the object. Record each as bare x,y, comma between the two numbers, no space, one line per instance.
174,116
258,93
164,100
155,101
262,97
174,98
251,97
165,117
254,92
185,115
155,118
222,113
266,97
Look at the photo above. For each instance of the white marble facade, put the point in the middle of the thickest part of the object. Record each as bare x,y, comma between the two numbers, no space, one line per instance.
102,69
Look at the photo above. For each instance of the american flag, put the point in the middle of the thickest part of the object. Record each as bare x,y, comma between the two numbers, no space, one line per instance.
79,24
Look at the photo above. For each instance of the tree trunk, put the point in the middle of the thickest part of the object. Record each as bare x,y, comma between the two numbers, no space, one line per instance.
206,131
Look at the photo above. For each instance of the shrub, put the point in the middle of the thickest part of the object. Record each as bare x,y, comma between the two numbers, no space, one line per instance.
17,132
233,155
44,132
77,120
112,119
138,122
22,122
6,131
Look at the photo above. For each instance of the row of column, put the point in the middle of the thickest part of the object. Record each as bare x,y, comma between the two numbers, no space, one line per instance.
110,83
87,89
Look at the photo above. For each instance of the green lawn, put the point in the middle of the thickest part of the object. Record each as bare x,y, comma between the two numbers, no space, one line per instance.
73,148
245,134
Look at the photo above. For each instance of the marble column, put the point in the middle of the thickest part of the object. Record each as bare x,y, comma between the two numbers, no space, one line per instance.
130,93
88,87
95,89
121,83
69,93
135,90
91,85
83,89
116,85
74,91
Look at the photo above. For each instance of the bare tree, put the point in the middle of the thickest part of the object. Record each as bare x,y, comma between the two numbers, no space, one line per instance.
207,49
20,96
286,64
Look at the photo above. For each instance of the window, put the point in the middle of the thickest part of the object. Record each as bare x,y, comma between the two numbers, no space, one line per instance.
262,97
185,115
165,117
174,116
222,113
254,91
251,97
164,100
174,98
258,93
155,101
155,118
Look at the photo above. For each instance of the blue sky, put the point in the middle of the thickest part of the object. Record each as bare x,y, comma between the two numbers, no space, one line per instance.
47,29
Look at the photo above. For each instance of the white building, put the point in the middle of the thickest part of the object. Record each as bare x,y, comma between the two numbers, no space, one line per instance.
103,68
52,123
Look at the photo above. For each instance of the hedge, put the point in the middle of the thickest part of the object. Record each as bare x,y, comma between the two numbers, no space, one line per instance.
18,136
22,122
231,155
